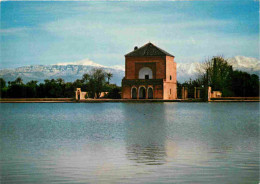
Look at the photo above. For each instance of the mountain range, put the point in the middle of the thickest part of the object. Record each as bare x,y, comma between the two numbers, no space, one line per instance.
74,70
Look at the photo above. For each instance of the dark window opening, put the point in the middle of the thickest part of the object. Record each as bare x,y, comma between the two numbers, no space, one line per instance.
134,93
142,93
150,93
170,77
146,76
170,91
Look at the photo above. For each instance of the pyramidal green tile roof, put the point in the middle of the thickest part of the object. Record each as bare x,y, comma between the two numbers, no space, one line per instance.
148,49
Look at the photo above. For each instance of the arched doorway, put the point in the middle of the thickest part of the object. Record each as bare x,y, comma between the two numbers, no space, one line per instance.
150,93
142,93
134,93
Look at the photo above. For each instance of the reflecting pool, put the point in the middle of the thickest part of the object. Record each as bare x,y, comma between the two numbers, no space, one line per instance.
129,143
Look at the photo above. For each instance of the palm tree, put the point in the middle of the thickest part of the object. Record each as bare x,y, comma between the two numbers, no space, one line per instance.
19,80
109,76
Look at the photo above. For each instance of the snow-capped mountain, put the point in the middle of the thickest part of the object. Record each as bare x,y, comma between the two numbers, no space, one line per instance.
69,72
248,64
74,70
185,71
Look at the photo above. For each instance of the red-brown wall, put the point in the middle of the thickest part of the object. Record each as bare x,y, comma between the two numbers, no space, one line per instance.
134,64
162,67
170,83
126,92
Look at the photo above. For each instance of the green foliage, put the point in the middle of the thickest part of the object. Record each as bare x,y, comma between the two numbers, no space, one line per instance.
218,74
18,81
31,89
113,91
94,83
109,76
2,83
2,87
244,84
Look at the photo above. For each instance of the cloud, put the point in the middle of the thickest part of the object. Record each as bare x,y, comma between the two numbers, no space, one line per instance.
200,38
119,33
104,32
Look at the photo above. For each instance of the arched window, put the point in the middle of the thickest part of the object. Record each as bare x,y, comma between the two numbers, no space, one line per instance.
145,73
170,77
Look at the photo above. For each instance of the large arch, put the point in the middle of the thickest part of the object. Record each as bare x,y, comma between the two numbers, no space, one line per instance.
145,73
134,93
150,93
142,93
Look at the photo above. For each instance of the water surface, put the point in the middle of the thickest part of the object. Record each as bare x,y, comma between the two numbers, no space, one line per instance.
129,143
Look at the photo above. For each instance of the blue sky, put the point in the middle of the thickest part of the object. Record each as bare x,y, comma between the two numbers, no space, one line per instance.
55,32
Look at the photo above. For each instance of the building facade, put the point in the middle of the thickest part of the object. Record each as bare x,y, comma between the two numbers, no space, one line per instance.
150,73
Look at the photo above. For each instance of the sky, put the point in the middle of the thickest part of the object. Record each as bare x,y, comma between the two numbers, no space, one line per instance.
44,32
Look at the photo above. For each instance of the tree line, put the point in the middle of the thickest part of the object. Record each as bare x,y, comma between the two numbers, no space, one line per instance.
220,75
94,82
215,72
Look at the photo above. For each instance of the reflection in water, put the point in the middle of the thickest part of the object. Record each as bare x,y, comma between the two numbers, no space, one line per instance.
146,135
130,143
149,155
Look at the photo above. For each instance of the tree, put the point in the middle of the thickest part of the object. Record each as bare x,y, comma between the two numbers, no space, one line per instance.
217,73
2,83
114,93
254,83
69,91
31,89
109,76
3,88
244,84
60,81
19,80
78,84
96,82
85,78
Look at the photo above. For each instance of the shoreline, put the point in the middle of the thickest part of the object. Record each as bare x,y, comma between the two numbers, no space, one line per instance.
71,100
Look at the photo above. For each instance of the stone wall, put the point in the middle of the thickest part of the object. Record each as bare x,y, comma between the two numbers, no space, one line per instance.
80,95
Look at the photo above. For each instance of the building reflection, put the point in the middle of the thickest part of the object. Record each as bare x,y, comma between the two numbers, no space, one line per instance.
145,134
149,154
